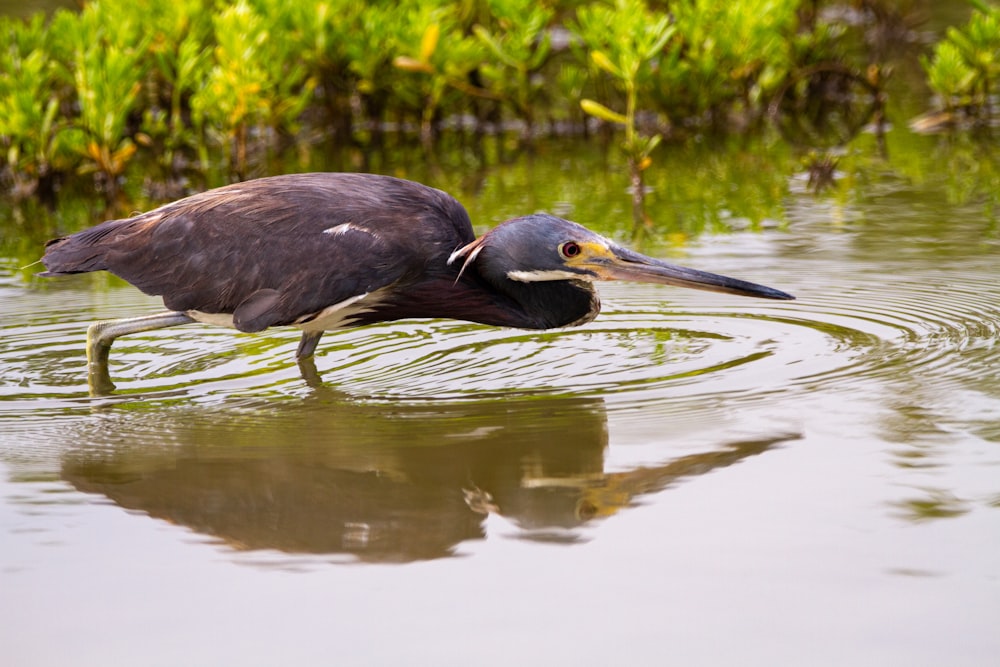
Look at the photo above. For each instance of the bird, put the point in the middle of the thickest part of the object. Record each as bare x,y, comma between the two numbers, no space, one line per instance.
329,250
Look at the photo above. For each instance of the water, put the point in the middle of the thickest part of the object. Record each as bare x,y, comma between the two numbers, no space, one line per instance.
692,478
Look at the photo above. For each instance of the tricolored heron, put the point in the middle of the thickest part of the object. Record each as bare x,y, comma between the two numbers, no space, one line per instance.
326,251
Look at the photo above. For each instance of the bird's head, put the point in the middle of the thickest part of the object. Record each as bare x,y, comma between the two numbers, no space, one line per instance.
542,247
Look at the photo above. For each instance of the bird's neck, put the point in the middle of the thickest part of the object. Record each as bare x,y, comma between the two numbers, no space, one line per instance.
537,305
550,304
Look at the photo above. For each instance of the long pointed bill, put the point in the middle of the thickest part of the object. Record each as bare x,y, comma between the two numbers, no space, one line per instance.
624,264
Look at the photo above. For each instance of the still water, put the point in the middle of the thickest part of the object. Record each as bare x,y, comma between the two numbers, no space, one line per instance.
690,479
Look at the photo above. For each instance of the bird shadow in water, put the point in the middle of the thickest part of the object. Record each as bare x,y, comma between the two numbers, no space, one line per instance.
375,481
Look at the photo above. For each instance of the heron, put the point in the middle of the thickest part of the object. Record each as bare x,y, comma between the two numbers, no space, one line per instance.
327,251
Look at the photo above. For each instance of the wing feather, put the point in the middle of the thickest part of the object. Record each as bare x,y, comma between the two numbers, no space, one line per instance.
278,249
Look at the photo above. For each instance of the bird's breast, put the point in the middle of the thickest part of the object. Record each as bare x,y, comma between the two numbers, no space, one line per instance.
337,316
215,319
343,314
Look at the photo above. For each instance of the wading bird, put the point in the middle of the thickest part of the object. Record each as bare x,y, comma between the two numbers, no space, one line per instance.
326,251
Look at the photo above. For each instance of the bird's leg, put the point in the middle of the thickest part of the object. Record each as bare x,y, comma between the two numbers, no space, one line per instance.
307,345
100,336
304,357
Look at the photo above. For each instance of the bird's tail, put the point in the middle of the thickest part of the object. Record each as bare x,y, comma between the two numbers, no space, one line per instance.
78,253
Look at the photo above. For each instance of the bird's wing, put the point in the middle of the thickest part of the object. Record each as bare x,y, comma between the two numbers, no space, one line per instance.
279,250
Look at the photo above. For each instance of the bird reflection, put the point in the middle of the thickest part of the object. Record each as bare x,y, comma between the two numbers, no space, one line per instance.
411,484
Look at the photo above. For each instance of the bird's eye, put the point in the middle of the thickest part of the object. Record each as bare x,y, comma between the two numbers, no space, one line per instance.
569,249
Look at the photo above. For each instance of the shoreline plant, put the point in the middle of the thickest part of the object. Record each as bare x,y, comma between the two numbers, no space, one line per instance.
187,92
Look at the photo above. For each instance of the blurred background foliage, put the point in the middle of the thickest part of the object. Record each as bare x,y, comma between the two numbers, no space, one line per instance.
149,101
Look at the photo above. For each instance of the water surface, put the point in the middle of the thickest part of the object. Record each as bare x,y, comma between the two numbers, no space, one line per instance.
692,478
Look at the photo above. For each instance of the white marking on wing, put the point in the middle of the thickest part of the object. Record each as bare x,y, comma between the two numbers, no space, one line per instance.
340,230
341,314
215,319
337,316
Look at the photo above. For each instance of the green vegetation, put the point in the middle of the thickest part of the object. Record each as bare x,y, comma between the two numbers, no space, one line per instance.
625,40
34,140
185,94
964,67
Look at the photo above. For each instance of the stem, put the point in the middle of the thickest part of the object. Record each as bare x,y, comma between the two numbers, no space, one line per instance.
639,223
630,96
240,137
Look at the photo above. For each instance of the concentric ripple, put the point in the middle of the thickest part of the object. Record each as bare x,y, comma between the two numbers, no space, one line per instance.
650,343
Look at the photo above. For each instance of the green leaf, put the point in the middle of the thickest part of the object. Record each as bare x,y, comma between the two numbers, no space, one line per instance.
429,41
484,35
661,41
598,110
408,64
601,59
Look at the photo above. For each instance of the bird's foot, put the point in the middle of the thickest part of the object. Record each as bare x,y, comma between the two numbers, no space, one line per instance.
100,336
98,348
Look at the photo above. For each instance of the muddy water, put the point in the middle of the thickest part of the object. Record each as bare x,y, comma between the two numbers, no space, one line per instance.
691,478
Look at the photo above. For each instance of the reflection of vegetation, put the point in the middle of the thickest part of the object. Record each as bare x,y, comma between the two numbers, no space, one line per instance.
724,188
935,505
716,187
972,173
960,169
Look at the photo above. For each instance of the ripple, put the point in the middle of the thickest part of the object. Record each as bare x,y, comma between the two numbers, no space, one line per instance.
650,344
920,323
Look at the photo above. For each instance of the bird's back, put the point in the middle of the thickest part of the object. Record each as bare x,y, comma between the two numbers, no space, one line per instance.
307,241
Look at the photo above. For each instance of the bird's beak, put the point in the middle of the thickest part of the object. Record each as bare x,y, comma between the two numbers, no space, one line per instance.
618,263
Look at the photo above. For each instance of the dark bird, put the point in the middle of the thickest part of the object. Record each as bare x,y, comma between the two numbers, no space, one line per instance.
326,251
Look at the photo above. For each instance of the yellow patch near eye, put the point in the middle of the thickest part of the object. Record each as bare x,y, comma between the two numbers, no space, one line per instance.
586,251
